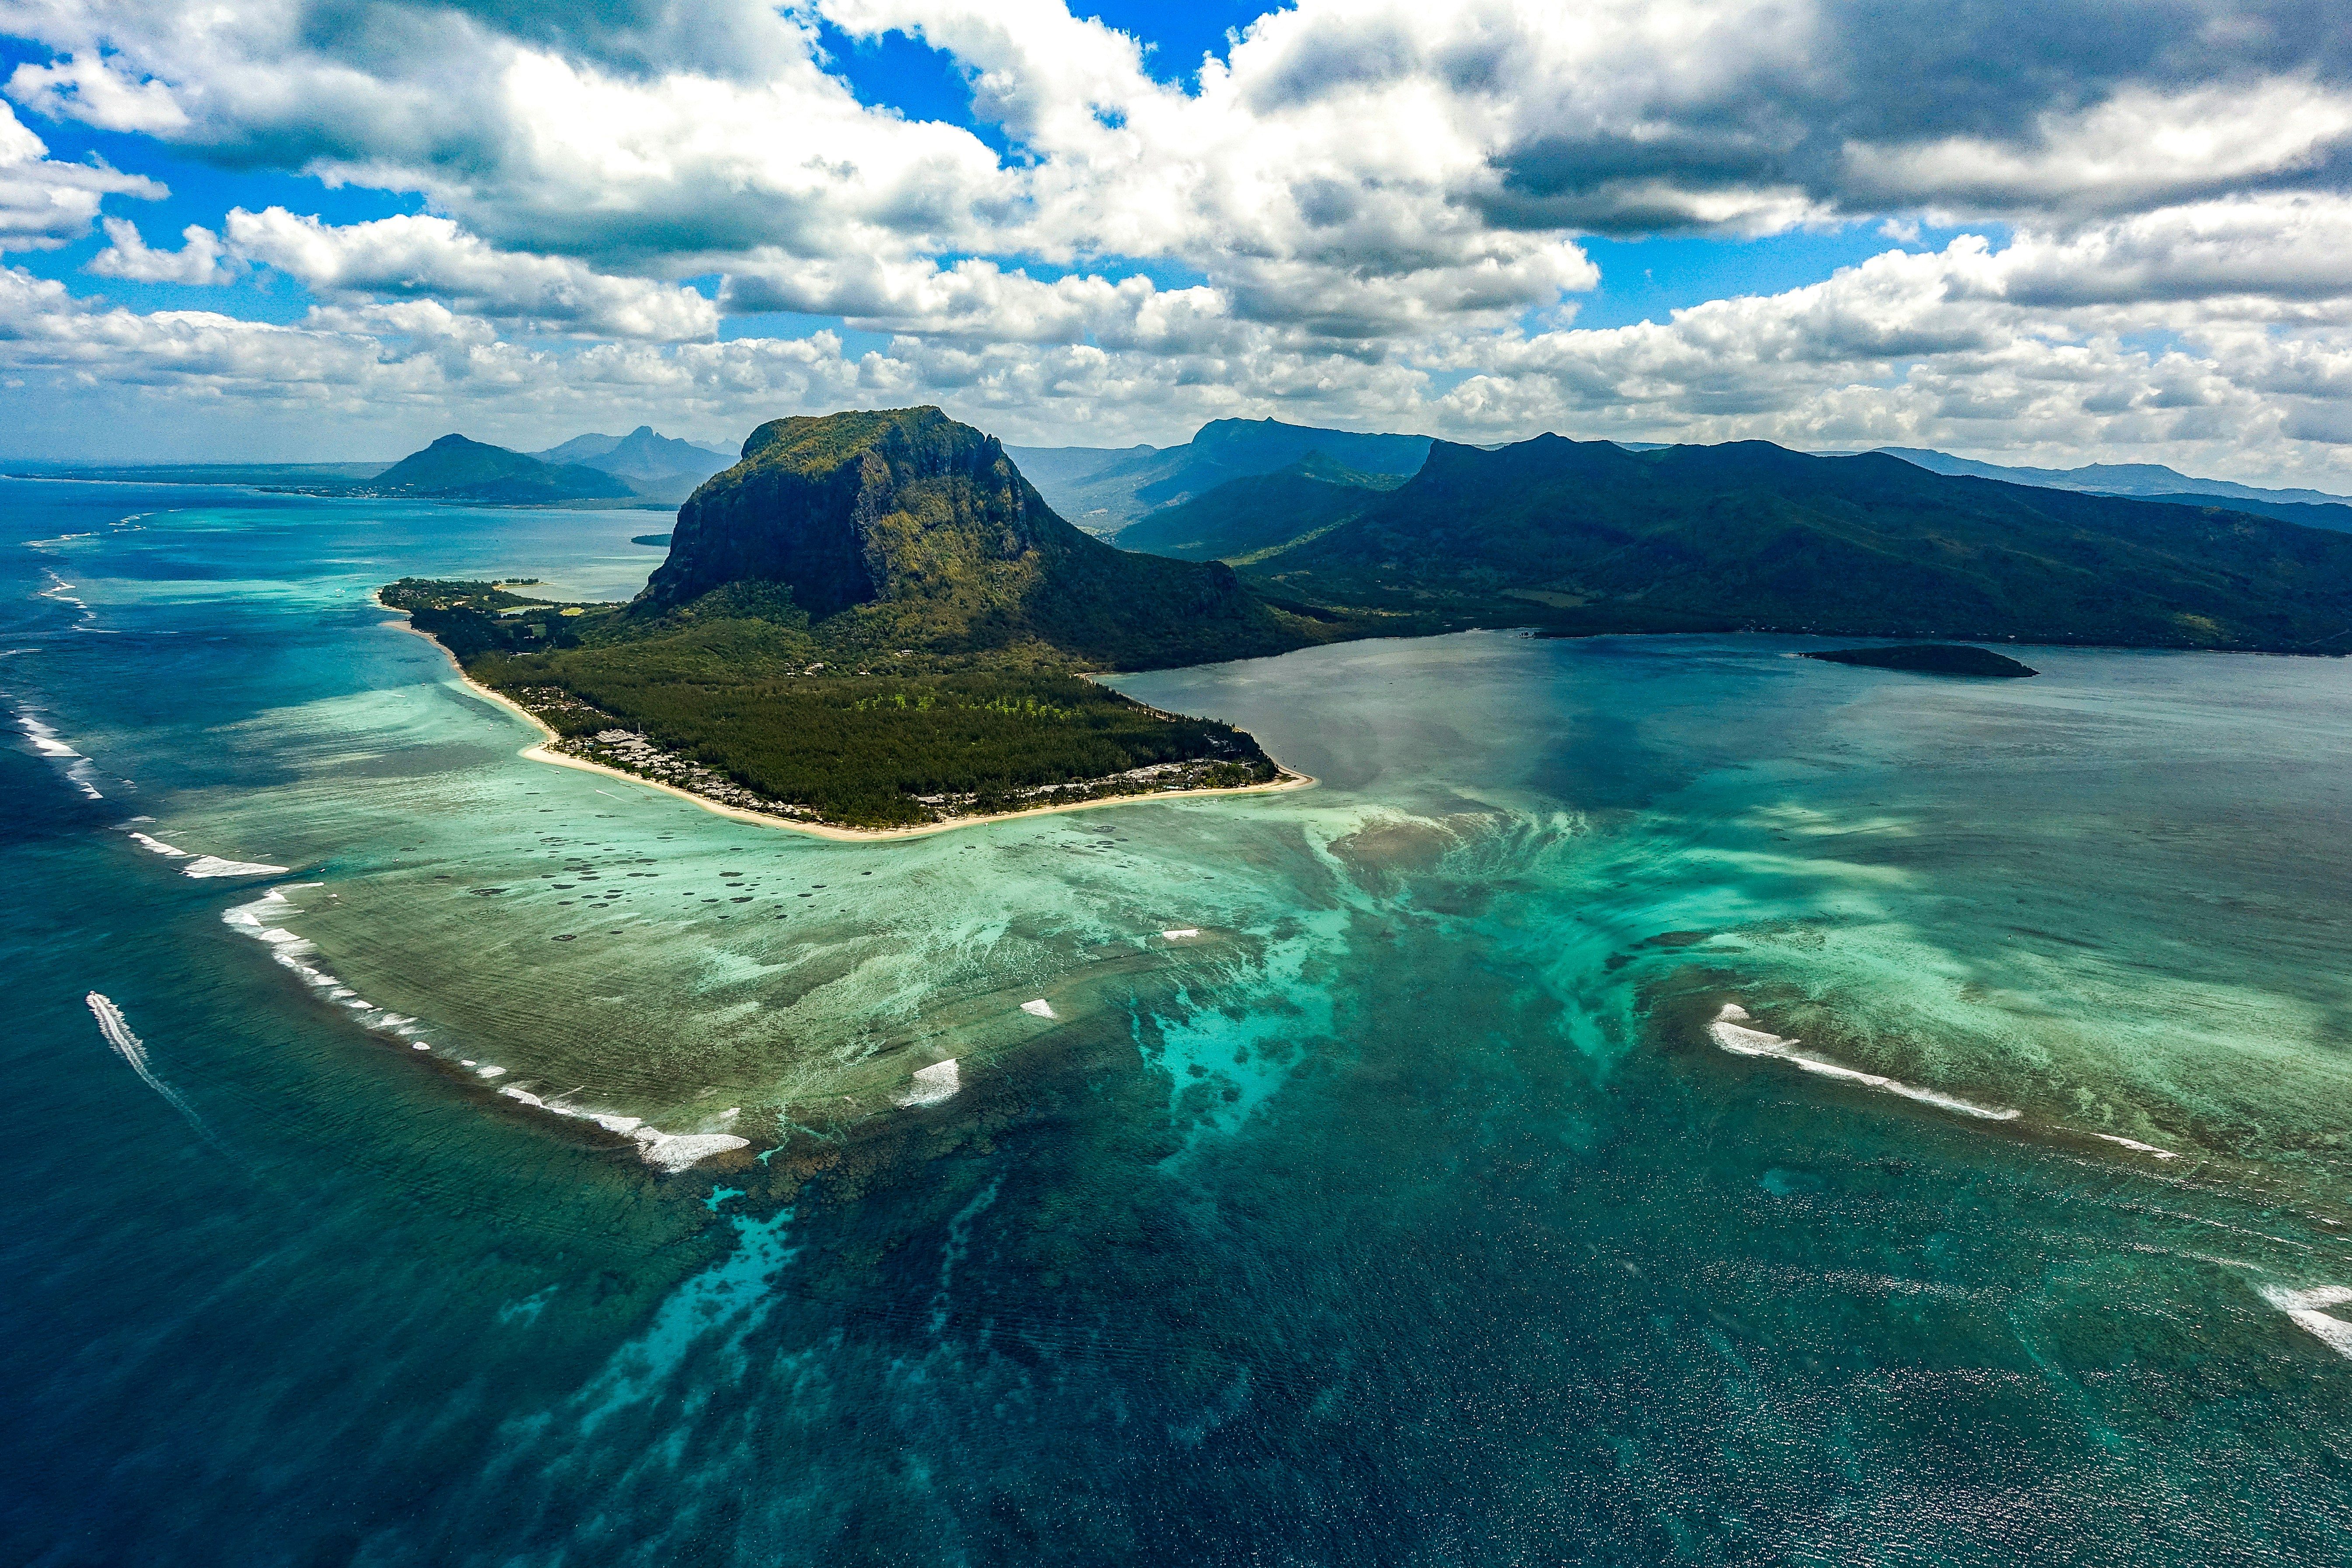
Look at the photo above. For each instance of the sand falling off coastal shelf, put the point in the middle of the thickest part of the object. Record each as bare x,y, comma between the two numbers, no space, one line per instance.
932,1084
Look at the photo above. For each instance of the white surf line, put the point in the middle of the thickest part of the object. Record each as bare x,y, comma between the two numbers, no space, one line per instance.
2135,1146
206,864
44,737
133,1050
1730,1033
263,921
2302,1310
668,1152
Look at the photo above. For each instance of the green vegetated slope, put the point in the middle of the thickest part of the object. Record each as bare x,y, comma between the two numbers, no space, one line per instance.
1593,537
456,468
906,530
1243,518
1106,498
872,608
2333,516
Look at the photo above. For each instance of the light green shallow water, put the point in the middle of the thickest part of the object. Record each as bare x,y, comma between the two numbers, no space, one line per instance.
1412,1212
2106,898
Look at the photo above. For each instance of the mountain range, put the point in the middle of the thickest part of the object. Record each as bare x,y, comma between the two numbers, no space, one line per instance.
1104,498
2149,481
639,467
875,617
905,526
1590,536
456,469
1241,518
657,467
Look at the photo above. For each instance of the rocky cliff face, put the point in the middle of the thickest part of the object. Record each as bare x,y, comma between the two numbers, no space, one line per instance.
925,528
845,508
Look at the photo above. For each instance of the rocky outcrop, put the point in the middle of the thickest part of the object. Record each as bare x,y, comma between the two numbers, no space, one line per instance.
929,530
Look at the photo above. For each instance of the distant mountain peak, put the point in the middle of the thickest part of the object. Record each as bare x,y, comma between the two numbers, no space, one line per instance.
457,468
1105,490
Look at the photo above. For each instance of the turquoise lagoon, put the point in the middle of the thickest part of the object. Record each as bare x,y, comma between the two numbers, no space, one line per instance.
1421,1204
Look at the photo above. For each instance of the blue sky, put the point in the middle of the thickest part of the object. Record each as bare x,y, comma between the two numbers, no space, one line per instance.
2115,233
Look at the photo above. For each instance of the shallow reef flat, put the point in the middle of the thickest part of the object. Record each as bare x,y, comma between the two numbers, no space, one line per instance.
1360,1173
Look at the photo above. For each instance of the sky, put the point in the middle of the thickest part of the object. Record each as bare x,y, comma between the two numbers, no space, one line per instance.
315,230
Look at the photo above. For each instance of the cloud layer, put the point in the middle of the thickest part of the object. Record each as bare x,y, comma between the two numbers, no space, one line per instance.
1366,212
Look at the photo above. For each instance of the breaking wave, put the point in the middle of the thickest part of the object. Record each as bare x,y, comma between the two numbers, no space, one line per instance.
80,769
206,864
1731,1032
264,920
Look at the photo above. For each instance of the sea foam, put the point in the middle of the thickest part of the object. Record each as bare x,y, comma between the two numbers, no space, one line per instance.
670,1151
44,737
206,864
1730,1031
2135,1146
2303,1308
259,919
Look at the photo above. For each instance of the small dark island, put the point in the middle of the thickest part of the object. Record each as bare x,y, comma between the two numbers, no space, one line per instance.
1930,659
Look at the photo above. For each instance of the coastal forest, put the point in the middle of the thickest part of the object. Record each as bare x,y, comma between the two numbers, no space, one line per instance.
875,619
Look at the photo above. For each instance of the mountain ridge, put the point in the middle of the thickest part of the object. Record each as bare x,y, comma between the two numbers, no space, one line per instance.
454,468
1244,518
1751,535
2152,481
1105,499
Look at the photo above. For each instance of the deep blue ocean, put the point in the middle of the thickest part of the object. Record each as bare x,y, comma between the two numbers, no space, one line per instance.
1653,1101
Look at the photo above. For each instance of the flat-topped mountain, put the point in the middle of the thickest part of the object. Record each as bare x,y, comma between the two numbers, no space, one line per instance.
1103,498
1749,534
455,468
905,526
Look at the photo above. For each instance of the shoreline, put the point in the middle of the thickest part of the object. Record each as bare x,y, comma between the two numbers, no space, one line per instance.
538,752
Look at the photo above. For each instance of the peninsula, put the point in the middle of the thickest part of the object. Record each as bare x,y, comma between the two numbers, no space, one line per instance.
1930,659
873,623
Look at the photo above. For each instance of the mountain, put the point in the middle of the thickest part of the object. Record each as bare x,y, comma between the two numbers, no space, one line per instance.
639,455
873,619
1105,498
2151,480
1052,467
1752,535
581,449
456,468
1246,517
2336,517
659,467
906,528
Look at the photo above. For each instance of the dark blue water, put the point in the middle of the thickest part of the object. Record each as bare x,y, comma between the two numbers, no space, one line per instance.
1411,1213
